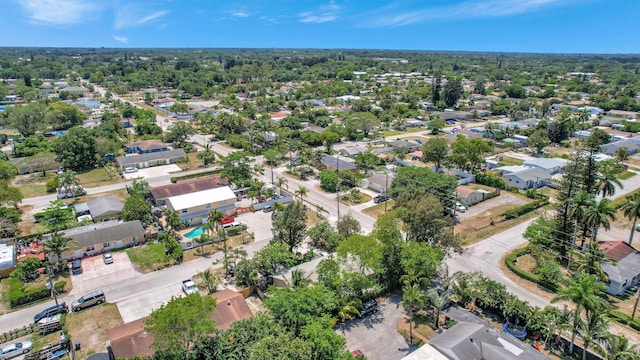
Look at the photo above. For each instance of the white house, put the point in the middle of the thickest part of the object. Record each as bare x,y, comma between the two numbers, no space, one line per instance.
528,178
625,273
194,207
551,165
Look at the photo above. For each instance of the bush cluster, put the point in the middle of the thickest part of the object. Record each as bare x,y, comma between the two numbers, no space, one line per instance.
193,176
526,208
19,296
511,261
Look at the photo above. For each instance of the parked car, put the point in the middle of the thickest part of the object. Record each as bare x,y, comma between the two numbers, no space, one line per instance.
130,170
108,258
90,299
380,198
76,267
267,209
62,308
368,308
13,350
460,207
189,287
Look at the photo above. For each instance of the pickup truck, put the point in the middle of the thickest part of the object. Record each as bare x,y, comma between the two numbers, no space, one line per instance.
189,287
380,198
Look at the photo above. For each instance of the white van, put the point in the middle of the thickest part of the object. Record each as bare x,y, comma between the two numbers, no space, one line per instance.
130,170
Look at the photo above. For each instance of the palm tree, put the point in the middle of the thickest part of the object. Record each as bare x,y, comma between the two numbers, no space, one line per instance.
298,279
591,261
56,245
618,348
208,281
173,221
213,221
587,293
578,208
598,216
413,276
631,210
202,239
412,299
607,180
594,331
301,192
67,180
438,301
281,181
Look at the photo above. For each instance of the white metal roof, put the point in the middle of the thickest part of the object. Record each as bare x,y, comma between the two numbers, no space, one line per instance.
201,198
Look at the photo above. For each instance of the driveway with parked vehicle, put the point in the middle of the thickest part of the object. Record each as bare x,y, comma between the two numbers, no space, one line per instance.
375,334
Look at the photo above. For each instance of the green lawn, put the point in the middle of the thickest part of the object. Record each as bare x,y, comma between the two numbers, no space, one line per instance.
396,132
148,258
626,175
32,190
509,161
95,177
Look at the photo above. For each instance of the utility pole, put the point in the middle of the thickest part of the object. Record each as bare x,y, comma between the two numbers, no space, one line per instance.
53,289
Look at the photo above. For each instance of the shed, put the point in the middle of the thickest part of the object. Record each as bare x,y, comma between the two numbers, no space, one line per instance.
105,208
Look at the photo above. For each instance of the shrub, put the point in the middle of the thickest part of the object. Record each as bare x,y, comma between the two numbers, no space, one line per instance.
511,261
52,184
11,213
625,319
495,181
234,231
19,296
526,208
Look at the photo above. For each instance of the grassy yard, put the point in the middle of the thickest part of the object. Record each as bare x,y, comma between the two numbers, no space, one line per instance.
193,162
509,161
355,199
232,242
32,190
96,177
378,210
626,175
89,327
148,257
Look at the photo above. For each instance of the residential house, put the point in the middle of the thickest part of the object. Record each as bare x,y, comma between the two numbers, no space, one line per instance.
454,115
415,123
146,146
105,208
7,259
378,182
102,237
469,134
550,165
528,178
630,115
351,152
194,207
415,155
131,340
425,352
468,195
471,340
557,107
409,144
231,307
151,159
278,116
159,194
338,163
612,148
625,272
75,90
89,103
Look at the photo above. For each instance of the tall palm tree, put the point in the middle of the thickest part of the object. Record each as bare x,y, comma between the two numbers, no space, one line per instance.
438,301
578,209
67,180
599,216
208,281
202,239
594,331
298,279
281,181
214,221
412,299
413,276
631,210
587,293
301,192
173,221
608,179
56,245
619,348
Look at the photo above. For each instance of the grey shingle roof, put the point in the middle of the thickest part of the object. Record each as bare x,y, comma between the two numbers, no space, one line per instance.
104,205
104,232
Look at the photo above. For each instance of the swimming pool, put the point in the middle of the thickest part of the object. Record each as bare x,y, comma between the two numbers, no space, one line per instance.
194,233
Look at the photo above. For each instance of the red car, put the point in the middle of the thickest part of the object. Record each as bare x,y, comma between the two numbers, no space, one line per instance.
227,220
357,353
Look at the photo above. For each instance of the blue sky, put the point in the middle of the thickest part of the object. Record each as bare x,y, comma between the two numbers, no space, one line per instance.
557,26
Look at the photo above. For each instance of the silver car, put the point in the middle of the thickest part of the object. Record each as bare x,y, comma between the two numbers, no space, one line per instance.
13,350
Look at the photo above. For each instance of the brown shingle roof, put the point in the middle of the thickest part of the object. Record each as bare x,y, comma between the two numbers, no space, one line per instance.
148,144
130,340
464,191
616,250
186,187
231,307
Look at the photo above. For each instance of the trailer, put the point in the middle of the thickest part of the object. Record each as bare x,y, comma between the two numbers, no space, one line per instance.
49,324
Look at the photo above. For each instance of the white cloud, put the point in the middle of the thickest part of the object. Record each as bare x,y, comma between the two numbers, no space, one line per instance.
323,14
128,17
239,13
470,9
121,39
58,12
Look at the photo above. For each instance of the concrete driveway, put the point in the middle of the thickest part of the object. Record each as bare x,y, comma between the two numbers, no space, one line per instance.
376,334
95,271
258,223
153,172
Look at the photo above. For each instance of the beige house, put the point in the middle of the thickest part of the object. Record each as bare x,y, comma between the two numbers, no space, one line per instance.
103,237
468,195
194,207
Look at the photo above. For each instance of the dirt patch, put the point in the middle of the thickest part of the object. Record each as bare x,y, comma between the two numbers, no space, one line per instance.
527,263
378,210
90,328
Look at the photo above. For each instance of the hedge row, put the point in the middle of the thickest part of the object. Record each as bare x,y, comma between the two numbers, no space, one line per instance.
193,176
625,319
526,208
511,260
18,297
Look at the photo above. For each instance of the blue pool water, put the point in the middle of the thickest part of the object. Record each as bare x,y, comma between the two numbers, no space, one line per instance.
194,233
